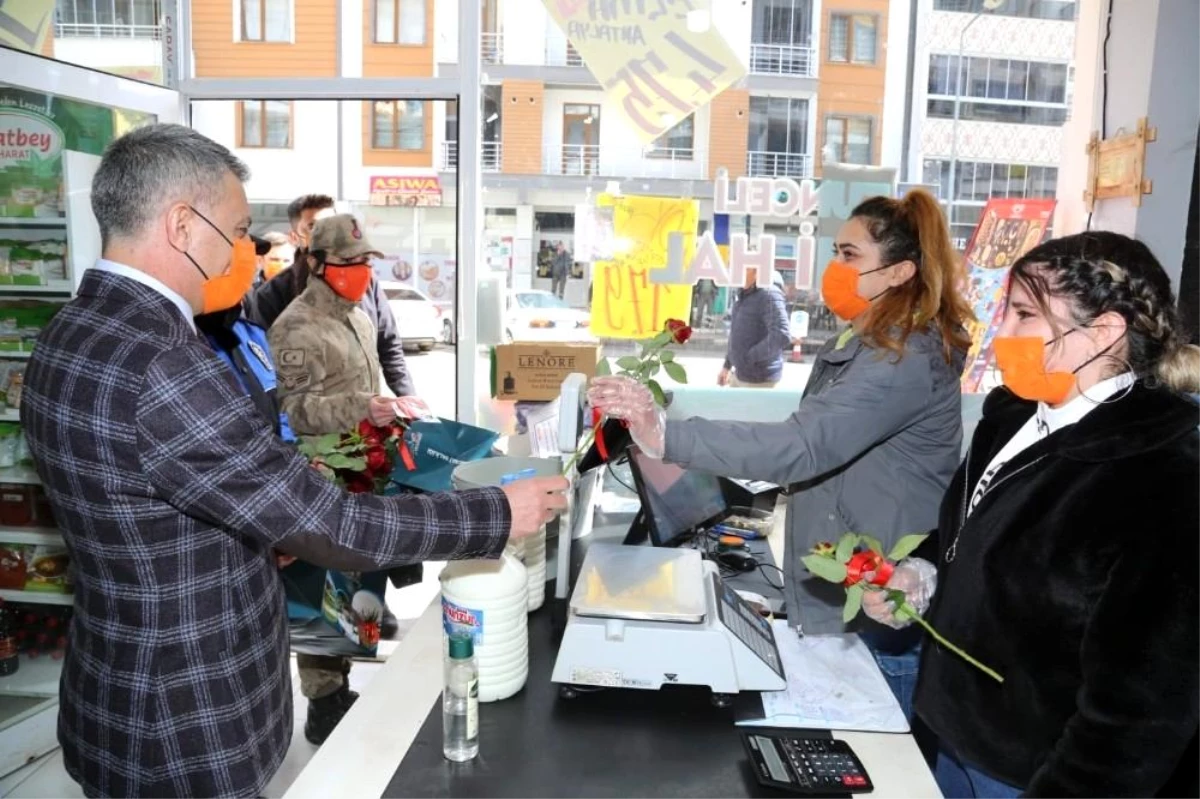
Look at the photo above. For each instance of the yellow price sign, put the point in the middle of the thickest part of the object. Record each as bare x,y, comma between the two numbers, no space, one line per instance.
625,304
648,58
23,23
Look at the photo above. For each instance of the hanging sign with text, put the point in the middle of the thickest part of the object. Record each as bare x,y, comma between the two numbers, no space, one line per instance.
656,65
628,302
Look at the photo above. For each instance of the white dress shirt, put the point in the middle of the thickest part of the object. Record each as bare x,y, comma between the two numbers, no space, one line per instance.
114,268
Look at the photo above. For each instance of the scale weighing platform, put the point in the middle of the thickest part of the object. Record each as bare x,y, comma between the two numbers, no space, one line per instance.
644,617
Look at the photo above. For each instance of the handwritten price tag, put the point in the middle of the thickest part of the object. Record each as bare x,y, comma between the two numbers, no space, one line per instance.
625,304
642,52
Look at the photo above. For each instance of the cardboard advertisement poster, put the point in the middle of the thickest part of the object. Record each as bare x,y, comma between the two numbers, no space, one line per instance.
1007,229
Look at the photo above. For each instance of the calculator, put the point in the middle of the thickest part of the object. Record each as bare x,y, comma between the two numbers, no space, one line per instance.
815,766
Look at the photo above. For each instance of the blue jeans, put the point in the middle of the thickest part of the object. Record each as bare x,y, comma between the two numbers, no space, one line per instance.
900,671
957,780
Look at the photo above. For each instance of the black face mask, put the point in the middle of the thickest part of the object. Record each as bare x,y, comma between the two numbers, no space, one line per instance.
208,222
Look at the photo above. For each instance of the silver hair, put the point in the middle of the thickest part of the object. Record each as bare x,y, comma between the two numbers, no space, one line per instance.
152,166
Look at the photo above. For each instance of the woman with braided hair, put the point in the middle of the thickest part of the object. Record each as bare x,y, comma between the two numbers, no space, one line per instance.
1066,555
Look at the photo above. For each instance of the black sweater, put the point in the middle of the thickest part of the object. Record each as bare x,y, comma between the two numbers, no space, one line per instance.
1076,578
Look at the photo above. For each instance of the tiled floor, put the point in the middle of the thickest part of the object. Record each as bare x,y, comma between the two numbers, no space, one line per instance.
47,778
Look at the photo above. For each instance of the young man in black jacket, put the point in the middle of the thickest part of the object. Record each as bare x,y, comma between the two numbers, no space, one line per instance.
267,300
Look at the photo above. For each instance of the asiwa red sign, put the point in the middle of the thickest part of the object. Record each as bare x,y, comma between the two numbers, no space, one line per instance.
406,190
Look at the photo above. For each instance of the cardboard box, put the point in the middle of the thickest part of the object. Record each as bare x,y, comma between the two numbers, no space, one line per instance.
534,372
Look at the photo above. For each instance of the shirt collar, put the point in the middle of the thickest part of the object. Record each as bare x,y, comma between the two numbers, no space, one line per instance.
114,268
1051,419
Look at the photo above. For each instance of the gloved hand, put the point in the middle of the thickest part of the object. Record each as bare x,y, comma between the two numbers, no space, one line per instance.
917,578
627,399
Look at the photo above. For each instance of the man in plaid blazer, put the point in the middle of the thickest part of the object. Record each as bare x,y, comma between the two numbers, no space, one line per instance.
171,491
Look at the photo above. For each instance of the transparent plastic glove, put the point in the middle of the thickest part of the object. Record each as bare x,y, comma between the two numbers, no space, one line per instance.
917,578
626,399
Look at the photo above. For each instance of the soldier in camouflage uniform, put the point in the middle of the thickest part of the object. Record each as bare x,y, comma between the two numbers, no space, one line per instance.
329,380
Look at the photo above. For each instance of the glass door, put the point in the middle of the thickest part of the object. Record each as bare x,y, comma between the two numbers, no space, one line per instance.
581,139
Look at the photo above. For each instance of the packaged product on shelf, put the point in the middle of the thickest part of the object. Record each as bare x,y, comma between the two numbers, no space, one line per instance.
48,569
16,505
53,258
21,321
43,516
10,437
13,568
26,266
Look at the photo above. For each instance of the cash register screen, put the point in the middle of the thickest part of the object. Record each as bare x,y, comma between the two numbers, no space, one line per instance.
675,501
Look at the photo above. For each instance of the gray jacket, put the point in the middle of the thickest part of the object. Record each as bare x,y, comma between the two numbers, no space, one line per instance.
871,450
758,334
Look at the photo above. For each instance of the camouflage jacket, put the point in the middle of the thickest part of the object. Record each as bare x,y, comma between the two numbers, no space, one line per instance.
324,348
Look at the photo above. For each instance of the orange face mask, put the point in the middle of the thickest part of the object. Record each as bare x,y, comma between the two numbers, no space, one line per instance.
839,290
227,290
1022,362
348,281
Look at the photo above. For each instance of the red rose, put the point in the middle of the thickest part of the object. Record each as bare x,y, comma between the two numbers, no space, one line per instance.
359,483
862,563
377,460
680,331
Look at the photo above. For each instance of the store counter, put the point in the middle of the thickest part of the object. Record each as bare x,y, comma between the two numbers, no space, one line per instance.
608,743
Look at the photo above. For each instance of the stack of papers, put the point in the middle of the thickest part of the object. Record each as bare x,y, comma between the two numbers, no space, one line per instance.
833,683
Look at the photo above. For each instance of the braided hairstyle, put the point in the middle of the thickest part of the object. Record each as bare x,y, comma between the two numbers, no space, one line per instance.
1101,271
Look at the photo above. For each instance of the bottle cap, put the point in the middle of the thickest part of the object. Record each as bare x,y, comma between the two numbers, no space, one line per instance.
461,647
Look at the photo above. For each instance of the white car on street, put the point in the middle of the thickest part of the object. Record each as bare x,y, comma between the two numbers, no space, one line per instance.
541,316
421,323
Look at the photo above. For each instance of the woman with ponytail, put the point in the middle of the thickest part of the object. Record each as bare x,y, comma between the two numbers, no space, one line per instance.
878,433
1066,554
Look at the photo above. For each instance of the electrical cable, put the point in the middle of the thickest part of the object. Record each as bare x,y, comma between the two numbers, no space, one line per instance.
1103,91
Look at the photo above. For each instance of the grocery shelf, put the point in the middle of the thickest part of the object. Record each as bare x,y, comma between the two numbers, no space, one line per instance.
20,475
36,597
34,677
42,536
53,287
33,221
10,415
23,355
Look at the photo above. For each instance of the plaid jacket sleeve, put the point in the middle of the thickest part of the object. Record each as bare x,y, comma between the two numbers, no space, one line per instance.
205,449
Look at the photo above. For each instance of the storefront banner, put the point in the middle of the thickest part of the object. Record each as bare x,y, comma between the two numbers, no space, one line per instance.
433,276
24,24
498,250
406,190
35,129
626,303
1007,230
644,53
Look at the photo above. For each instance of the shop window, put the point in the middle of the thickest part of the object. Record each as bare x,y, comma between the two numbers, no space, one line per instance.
853,38
677,144
849,138
400,22
266,20
398,125
265,123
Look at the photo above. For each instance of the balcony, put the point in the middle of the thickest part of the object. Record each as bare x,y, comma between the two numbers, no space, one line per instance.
779,165
64,30
589,160
490,157
797,61
492,48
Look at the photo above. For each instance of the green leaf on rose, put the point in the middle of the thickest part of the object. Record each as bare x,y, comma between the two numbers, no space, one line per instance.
872,543
675,371
336,461
845,547
906,546
629,362
666,356
603,368
659,396
825,568
854,597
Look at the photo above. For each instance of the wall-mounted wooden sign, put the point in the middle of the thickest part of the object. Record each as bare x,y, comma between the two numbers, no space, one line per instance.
1116,166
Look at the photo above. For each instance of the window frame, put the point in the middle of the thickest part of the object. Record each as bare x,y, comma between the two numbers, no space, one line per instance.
243,17
845,119
660,149
396,20
397,147
850,59
262,125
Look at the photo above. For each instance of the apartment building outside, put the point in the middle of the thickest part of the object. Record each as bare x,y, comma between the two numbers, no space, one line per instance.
819,77
1013,86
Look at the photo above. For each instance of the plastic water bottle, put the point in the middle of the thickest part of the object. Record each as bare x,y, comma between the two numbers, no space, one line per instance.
460,701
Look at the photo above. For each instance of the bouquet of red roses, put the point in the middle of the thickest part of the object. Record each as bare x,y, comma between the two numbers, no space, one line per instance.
361,460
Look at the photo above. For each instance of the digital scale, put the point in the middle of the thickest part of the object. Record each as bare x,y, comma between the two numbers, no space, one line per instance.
645,617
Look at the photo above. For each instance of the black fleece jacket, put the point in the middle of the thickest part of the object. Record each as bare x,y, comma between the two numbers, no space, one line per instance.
1075,577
